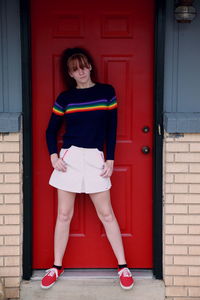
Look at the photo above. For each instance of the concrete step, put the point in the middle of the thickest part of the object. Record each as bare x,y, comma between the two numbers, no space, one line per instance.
93,285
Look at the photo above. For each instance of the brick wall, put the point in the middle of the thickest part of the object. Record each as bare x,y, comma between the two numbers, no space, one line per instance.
11,212
181,216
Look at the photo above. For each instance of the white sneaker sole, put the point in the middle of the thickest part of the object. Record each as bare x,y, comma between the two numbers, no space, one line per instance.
126,287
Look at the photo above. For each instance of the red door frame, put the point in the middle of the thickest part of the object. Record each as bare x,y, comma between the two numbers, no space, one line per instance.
27,138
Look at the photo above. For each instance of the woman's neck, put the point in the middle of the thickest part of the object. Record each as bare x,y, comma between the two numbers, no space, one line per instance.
85,85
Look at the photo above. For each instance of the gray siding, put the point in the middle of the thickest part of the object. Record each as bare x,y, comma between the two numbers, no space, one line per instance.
182,73
10,65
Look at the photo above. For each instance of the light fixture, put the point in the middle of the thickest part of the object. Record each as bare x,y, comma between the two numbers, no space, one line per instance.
185,12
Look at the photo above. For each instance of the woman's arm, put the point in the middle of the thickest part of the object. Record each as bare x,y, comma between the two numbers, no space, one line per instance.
111,126
54,125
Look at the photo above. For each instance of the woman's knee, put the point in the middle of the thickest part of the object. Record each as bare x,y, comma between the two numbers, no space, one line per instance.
65,217
106,217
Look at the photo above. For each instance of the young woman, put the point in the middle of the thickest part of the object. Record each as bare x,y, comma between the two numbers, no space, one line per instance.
89,109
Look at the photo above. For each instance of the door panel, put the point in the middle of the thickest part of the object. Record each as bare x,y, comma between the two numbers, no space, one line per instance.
120,36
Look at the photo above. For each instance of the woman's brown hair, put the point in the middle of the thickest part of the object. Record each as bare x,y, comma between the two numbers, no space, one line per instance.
70,59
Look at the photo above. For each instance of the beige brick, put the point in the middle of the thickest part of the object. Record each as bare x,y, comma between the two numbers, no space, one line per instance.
169,219
9,209
9,147
12,240
177,168
9,250
175,249
187,260
191,219
11,137
187,157
187,239
189,137
12,293
195,147
9,229
1,178
168,280
11,188
187,178
12,198
194,209
194,292
187,281
176,270
194,250
176,229
1,261
194,188
1,220
1,240
169,178
1,157
168,198
9,167
194,168
169,239
12,178
168,259
194,271
175,291
15,219
169,157
175,209
12,282
186,198
176,188
11,157
12,261
1,199
194,229
177,147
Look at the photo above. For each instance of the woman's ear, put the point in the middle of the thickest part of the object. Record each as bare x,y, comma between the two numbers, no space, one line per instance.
90,67
70,74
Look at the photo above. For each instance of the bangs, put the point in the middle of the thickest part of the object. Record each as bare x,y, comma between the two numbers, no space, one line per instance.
76,61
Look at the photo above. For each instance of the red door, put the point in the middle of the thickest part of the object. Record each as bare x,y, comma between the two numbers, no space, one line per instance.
120,36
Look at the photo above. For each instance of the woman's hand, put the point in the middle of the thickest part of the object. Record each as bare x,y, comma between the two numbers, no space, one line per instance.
108,168
58,163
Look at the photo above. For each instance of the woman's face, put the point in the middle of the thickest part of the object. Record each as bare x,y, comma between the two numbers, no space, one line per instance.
81,75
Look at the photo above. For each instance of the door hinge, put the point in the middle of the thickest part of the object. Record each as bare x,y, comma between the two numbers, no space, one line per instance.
159,129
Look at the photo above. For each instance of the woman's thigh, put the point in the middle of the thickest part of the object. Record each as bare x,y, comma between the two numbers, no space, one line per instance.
65,201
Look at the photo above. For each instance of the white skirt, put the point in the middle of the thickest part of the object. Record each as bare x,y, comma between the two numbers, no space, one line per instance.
84,166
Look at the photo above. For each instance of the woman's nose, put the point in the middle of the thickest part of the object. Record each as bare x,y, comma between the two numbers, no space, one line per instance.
81,71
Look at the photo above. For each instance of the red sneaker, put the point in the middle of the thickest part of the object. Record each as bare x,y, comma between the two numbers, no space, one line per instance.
50,278
126,279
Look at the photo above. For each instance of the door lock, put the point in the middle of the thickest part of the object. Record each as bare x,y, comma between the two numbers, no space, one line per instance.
146,129
146,149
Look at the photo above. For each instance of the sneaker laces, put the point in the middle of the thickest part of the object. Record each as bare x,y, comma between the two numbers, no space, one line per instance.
52,271
126,272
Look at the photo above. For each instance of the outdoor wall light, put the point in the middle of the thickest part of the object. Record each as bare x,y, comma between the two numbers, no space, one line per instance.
184,11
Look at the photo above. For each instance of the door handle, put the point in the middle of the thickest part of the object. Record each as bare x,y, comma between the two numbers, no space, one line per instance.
145,149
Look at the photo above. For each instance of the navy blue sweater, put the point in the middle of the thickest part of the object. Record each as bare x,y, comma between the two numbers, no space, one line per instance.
90,116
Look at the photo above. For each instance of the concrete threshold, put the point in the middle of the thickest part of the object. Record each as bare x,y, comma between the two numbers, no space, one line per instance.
93,284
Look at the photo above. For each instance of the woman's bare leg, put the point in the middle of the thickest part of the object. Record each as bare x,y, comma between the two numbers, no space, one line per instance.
65,212
105,213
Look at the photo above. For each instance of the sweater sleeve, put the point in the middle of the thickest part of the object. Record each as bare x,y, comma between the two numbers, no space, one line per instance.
111,125
54,124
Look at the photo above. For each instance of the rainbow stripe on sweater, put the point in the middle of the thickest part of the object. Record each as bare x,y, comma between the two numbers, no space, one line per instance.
102,104
58,110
